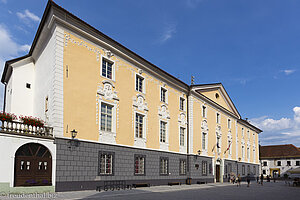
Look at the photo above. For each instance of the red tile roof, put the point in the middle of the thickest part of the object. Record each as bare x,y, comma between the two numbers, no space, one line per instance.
278,151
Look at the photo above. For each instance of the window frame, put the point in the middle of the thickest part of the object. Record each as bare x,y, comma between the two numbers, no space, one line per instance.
112,68
161,173
165,131
100,153
138,156
204,168
297,163
218,118
204,147
278,163
243,169
135,125
180,167
143,88
204,111
163,98
181,103
106,114
182,136
229,123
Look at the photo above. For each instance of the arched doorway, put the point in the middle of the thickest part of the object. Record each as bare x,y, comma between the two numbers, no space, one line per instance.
33,165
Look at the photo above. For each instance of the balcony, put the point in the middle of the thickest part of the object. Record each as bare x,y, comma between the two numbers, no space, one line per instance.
18,128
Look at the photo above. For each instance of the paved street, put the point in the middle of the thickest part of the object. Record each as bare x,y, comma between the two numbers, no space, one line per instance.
224,191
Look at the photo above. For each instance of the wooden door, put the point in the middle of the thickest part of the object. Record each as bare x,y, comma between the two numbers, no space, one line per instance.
217,173
33,165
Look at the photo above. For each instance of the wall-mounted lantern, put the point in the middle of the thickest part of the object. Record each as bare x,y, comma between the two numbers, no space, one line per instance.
73,133
73,141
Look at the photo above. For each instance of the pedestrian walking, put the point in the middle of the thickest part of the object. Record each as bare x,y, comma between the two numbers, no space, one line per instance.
257,179
238,180
248,180
261,179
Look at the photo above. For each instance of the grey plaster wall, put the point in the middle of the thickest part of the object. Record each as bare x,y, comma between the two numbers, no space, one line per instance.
77,167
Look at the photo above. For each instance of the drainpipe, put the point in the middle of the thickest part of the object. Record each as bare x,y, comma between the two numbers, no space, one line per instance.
188,134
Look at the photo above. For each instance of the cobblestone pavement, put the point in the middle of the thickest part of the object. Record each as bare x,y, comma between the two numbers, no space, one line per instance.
272,191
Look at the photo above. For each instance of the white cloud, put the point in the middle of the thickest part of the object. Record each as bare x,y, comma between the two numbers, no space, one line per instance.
168,33
8,47
279,131
192,3
28,16
288,71
4,1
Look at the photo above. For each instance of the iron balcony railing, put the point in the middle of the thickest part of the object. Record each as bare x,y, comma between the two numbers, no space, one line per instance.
18,128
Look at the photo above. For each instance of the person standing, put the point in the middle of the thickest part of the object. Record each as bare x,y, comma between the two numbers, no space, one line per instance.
248,180
261,179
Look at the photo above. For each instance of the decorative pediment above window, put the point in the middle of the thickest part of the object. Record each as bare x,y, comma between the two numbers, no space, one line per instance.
218,131
140,103
163,112
182,119
107,91
204,126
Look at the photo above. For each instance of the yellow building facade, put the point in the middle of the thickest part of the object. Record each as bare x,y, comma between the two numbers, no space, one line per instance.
134,121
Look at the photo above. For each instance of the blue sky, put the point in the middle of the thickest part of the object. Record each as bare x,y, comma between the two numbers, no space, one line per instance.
251,47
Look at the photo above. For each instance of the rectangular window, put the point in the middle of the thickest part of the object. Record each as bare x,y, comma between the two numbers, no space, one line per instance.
278,163
288,163
203,141
229,168
164,166
107,68
297,163
139,83
105,163
243,169
264,172
106,117
210,168
254,170
265,163
204,168
248,153
226,169
163,93
139,121
139,165
243,151
182,167
181,103
163,129
203,111
182,133
248,169
243,133
218,118
229,124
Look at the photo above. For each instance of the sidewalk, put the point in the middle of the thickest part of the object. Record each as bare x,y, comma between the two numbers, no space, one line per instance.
152,189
